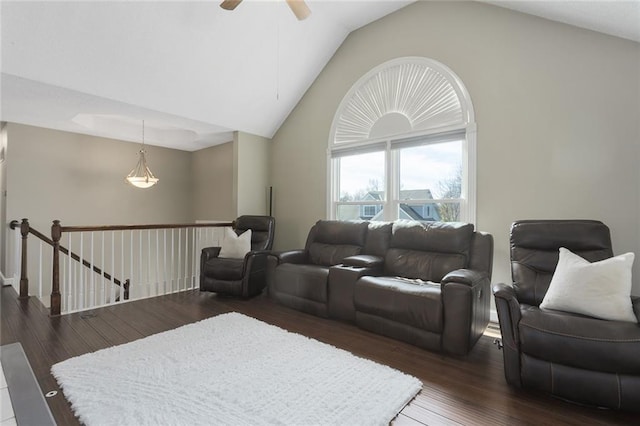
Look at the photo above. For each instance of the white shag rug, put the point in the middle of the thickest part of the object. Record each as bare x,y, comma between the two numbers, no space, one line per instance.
234,370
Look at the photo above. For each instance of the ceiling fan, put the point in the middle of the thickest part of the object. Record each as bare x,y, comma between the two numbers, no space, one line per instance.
298,7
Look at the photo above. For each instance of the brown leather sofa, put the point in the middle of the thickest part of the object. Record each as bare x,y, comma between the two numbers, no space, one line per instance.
426,283
571,356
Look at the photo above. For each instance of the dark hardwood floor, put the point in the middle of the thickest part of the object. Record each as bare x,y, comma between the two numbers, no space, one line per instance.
468,391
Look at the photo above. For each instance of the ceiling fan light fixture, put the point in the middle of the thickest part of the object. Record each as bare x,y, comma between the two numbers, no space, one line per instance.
230,4
298,7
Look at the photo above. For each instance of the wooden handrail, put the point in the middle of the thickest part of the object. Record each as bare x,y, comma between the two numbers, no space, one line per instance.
76,257
65,250
142,227
56,233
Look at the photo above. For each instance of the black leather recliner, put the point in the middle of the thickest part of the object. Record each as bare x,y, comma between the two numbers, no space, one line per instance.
574,357
239,277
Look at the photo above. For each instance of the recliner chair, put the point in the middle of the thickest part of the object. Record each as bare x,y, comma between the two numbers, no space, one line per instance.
571,356
239,277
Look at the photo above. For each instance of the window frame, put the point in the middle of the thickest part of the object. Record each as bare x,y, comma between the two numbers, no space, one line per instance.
391,148
464,128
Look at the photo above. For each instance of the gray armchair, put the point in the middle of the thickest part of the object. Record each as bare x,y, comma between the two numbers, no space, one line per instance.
571,356
239,277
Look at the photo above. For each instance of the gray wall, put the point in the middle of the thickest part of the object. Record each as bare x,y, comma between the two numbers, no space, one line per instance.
212,172
251,159
556,106
79,180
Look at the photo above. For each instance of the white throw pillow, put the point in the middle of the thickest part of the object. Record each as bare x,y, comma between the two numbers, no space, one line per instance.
235,246
599,289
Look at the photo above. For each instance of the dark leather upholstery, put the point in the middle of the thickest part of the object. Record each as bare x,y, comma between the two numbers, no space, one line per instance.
407,280
239,277
575,357
299,278
426,295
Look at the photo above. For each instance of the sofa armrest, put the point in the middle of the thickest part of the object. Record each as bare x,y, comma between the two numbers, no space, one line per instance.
255,259
206,254
291,256
465,298
254,272
363,261
465,276
209,253
509,315
275,258
342,282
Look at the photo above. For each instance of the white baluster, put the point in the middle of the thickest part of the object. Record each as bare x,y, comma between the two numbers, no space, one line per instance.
81,275
40,270
186,258
72,281
179,260
93,275
149,263
103,291
112,298
122,279
171,274
131,279
157,263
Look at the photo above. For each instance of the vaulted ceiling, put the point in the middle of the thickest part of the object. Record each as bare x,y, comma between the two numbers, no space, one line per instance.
193,71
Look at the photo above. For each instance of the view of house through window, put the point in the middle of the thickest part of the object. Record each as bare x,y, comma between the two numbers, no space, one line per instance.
431,182
428,188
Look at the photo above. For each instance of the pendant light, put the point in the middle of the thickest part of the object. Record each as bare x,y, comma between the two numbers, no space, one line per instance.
141,176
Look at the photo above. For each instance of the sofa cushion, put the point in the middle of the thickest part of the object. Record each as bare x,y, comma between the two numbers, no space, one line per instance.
339,232
304,281
224,268
439,237
580,341
421,265
599,289
378,238
235,246
428,251
331,254
409,302
534,251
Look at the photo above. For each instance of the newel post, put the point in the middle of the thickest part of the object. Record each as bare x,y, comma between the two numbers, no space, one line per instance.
24,280
56,234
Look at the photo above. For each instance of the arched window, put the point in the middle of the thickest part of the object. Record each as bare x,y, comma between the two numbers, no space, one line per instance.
402,146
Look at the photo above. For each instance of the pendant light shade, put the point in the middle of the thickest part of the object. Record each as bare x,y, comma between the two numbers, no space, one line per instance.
141,176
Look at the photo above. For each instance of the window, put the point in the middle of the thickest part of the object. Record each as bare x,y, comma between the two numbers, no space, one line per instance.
402,146
370,211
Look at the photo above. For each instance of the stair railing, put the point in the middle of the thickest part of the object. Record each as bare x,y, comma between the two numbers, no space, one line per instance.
158,259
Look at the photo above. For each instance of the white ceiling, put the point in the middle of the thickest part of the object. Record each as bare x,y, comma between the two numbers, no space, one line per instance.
193,71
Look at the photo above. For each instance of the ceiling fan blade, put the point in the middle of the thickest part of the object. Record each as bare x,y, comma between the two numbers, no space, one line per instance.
299,8
230,4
